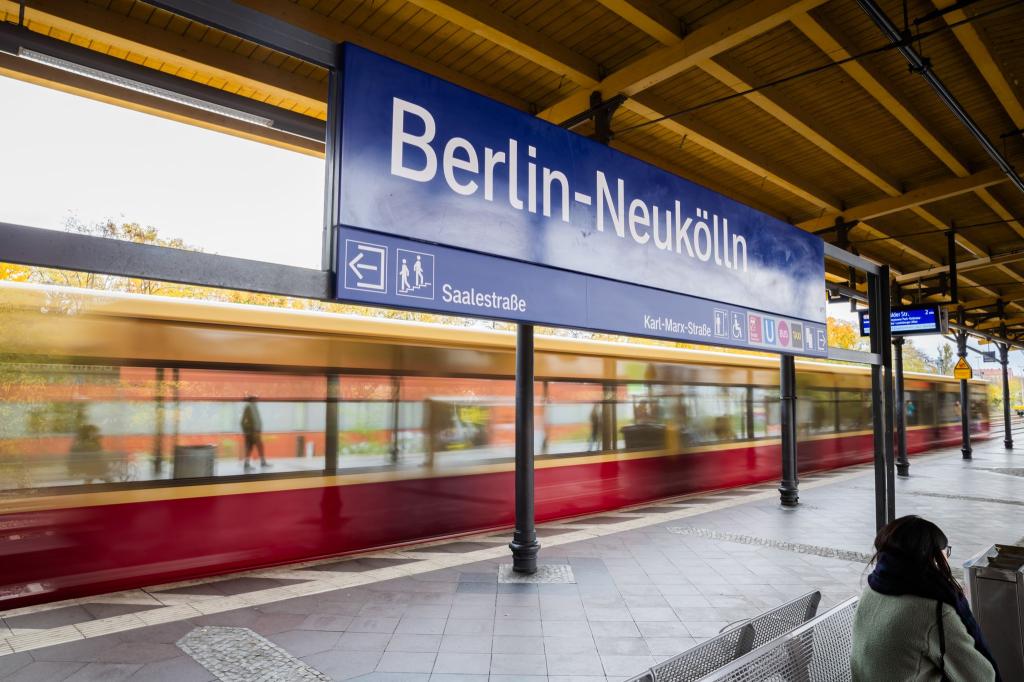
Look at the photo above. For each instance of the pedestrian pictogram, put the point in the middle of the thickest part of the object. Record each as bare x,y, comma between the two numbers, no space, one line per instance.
415,274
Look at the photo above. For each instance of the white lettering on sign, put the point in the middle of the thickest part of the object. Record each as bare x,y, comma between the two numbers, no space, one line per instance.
483,299
703,235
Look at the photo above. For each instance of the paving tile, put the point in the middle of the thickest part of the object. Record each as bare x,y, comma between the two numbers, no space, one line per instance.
569,645
415,643
566,628
104,672
45,671
50,618
458,626
343,665
518,664
478,664
513,627
393,677
362,641
450,677
626,665
614,628
180,669
406,662
508,644
301,643
621,646
420,626
575,664
373,624
467,644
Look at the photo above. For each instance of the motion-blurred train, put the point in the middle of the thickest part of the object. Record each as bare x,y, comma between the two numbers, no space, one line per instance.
123,460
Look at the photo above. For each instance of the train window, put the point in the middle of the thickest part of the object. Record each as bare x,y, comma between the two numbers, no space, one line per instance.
574,416
949,407
766,415
854,410
919,407
816,411
64,425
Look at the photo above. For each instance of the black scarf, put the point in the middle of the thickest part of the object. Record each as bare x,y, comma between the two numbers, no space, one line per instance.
895,576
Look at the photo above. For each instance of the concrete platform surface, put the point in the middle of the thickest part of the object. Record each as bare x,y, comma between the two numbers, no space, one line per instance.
644,585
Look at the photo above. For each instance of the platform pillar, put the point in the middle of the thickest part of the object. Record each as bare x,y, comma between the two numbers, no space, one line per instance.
902,463
1004,360
965,396
524,543
789,488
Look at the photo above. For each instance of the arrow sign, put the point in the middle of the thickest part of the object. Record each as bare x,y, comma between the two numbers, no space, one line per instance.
357,265
366,266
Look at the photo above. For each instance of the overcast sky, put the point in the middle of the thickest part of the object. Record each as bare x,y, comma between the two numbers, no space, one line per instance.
66,156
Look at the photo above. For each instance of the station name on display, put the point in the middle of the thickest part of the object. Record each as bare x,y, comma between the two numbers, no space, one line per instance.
469,171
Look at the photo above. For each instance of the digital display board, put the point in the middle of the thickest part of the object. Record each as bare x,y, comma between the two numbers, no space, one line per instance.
910,320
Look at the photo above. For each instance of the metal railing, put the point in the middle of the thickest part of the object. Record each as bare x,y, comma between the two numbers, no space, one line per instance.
707,657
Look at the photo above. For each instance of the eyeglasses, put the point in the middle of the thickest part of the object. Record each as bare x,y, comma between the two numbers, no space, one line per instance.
948,551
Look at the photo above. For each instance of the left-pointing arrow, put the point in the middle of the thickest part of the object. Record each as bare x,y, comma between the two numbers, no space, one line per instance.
354,263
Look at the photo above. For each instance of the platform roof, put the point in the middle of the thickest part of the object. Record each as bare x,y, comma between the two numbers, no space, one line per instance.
850,134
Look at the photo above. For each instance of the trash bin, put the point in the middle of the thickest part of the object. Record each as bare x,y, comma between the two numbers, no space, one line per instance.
995,588
194,461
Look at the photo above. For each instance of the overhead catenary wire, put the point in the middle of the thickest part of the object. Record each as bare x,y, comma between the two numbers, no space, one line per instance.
817,69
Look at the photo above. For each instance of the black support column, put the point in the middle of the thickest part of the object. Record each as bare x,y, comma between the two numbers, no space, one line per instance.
1004,360
524,543
902,463
965,396
789,488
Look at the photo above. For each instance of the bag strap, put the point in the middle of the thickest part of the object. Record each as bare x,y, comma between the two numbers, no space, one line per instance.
942,640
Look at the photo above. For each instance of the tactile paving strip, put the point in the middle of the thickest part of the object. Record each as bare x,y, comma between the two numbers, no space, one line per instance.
799,548
241,655
546,573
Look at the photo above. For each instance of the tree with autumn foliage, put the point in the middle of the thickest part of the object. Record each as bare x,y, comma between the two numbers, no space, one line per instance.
842,334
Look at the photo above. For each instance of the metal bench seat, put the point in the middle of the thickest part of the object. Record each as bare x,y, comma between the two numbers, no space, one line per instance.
707,657
817,651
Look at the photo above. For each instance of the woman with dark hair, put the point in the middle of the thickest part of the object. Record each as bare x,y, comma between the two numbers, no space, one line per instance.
913,622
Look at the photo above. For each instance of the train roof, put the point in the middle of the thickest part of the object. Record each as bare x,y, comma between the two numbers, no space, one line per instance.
80,301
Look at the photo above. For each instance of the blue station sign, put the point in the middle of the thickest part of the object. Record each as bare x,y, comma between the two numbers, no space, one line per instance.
452,202
910,320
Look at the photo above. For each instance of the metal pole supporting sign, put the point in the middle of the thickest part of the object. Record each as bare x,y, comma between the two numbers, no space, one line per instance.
524,543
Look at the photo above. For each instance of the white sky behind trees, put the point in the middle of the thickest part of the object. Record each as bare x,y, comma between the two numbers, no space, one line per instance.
66,157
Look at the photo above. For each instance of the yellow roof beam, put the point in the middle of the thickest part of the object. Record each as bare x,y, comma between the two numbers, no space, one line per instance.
500,29
971,41
736,24
340,32
782,110
649,17
152,42
831,47
916,197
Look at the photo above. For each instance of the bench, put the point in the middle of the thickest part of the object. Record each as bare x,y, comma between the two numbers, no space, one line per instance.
705,658
817,651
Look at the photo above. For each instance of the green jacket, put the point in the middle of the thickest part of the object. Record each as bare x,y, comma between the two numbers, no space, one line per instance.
896,639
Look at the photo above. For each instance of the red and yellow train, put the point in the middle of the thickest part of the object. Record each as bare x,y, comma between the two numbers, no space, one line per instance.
123,460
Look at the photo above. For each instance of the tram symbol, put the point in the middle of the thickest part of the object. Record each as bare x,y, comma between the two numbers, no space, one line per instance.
810,339
414,274
769,331
366,266
721,322
754,328
737,326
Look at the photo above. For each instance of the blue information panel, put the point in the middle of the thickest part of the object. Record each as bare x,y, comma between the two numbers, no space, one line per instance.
909,320
428,161
393,272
